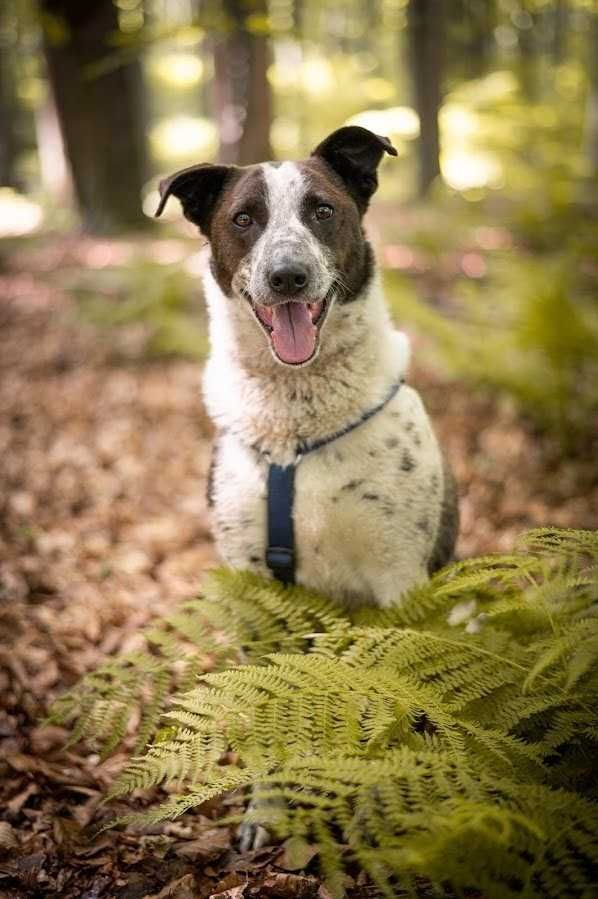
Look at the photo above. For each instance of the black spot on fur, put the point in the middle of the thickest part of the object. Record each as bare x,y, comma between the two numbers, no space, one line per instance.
254,559
416,438
211,473
351,485
407,462
391,443
409,426
448,528
423,525
338,456
371,496
372,453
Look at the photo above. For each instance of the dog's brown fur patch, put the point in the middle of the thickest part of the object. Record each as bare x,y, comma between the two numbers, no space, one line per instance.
245,191
343,234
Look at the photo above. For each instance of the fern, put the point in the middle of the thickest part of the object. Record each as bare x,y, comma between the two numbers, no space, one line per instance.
451,738
528,330
238,616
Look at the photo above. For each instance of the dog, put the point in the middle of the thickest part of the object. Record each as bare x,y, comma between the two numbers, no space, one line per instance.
306,377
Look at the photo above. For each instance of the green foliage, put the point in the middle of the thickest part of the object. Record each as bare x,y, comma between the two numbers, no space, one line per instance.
530,331
159,299
238,615
521,319
450,738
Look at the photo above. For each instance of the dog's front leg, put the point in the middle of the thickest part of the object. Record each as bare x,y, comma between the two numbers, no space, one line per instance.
251,835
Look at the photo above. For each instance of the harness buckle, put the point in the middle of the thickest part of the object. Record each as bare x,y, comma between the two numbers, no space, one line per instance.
280,557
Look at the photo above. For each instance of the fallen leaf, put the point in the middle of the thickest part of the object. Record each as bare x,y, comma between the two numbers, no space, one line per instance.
209,845
290,886
296,854
17,802
8,837
234,893
227,883
183,888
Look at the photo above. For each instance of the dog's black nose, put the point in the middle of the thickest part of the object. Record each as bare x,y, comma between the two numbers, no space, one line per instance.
288,279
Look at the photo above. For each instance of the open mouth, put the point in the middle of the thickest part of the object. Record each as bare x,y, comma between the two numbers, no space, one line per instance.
293,328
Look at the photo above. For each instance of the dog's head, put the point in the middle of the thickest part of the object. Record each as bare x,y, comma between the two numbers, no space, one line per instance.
286,238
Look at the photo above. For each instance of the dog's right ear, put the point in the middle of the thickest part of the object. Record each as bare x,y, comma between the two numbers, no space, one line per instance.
355,153
198,188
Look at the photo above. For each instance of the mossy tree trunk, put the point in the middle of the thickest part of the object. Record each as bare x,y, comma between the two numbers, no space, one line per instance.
100,110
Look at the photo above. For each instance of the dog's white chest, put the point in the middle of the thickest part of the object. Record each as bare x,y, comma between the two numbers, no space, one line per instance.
366,510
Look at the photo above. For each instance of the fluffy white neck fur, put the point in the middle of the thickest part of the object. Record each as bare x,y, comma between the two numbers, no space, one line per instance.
270,406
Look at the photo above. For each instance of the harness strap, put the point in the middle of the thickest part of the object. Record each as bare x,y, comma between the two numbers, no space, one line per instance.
280,550
280,553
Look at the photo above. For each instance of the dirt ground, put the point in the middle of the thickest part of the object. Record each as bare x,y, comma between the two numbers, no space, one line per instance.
103,525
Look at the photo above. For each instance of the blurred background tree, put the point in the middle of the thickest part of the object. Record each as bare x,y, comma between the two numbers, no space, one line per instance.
241,90
487,221
100,107
139,85
158,81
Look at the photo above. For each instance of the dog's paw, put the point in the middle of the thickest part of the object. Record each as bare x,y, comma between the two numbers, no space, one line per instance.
252,836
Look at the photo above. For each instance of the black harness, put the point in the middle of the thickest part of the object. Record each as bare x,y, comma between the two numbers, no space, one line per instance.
280,551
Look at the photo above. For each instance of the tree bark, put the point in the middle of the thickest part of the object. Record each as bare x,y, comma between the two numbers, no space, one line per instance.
528,52
242,95
100,112
560,28
53,165
591,122
481,23
425,34
10,143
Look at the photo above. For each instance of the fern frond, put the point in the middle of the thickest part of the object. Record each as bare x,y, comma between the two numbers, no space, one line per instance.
237,615
433,740
562,542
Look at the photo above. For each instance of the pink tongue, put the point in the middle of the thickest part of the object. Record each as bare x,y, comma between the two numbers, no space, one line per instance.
293,332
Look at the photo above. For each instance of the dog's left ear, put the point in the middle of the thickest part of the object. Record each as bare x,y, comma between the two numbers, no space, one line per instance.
355,153
198,188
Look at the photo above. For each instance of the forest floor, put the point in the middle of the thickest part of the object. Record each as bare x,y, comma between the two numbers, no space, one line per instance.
103,525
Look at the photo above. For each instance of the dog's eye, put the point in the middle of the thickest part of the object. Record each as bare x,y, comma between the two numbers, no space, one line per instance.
242,220
324,211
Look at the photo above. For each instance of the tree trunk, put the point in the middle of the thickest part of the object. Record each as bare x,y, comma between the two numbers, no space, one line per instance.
528,51
9,111
591,123
425,32
242,96
53,166
481,22
559,33
100,112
